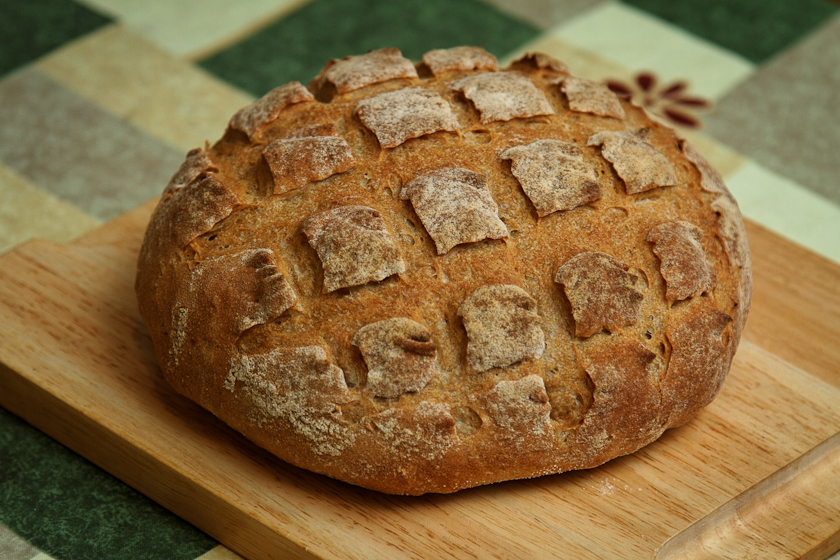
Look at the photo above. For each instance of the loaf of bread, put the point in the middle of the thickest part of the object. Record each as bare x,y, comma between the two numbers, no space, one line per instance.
423,277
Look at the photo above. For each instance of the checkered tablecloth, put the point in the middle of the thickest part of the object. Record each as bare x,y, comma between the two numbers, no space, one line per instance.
101,99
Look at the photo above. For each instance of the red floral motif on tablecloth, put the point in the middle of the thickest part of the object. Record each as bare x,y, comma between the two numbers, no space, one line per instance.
672,101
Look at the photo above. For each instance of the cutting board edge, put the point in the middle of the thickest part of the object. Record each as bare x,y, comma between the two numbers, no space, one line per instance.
735,524
59,420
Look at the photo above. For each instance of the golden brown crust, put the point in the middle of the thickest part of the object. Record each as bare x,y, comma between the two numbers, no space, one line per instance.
424,283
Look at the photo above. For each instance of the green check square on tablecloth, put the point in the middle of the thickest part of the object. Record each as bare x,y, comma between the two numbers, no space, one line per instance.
32,28
755,29
66,506
297,46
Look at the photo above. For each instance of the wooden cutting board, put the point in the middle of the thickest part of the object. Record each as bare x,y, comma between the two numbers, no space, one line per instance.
755,475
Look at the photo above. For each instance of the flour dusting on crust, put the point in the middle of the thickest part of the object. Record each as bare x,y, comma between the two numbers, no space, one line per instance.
400,356
522,409
300,386
320,129
423,277
711,180
192,211
354,245
554,175
197,163
542,62
695,371
455,207
238,290
254,117
460,58
502,96
603,294
355,72
401,115
502,325
426,431
683,262
294,162
732,229
626,400
641,166
586,96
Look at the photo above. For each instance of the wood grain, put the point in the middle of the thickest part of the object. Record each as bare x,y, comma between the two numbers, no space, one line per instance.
795,310
754,524
78,364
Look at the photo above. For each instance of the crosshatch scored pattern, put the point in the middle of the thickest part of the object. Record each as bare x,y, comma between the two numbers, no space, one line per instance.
376,266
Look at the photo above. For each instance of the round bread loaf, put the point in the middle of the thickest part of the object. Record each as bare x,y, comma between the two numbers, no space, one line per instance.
426,277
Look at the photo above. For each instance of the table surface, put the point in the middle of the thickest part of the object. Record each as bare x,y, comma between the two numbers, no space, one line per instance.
100,100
